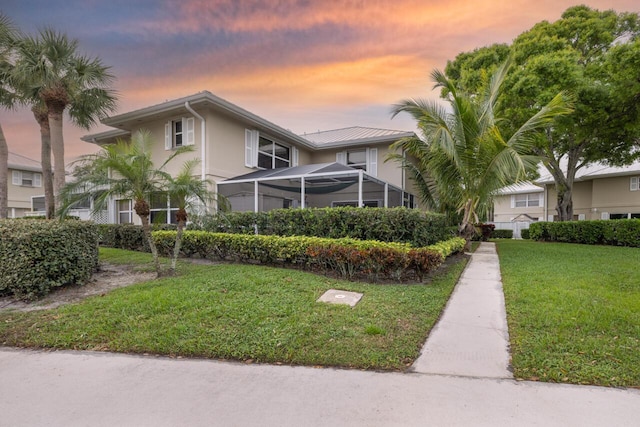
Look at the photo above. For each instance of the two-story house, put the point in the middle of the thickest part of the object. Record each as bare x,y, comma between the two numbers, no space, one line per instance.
258,165
599,192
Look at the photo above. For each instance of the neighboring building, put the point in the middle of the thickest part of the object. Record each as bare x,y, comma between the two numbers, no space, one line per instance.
24,184
259,165
599,192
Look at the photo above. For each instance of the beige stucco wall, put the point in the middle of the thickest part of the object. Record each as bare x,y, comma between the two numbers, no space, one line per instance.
613,195
389,171
594,197
582,196
503,212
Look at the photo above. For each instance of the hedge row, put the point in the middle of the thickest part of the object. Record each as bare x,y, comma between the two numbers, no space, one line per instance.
127,236
502,234
39,255
346,257
619,232
384,224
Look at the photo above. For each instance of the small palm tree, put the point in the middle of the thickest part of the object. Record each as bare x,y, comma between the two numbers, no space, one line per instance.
463,158
123,170
50,74
187,192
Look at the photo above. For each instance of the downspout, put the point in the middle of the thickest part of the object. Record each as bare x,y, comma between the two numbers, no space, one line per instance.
203,175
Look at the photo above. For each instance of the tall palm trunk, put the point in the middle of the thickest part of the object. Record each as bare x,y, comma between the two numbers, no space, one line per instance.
57,147
142,210
181,216
42,118
4,175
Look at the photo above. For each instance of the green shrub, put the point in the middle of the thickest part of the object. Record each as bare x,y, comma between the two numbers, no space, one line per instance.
383,224
621,232
39,255
525,233
502,234
127,236
348,258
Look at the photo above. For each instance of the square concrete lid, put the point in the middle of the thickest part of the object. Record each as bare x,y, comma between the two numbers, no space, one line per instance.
335,296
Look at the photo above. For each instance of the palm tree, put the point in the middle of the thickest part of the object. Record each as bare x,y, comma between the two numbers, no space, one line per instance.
41,115
124,170
7,100
464,158
50,72
186,191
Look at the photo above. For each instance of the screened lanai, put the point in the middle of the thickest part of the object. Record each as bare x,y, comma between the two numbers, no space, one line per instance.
317,186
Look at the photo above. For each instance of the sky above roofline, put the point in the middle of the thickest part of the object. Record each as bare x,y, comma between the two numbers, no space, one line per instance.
305,66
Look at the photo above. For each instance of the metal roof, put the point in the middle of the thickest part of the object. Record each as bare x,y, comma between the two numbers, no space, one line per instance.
354,135
593,171
520,188
297,171
319,172
18,161
320,140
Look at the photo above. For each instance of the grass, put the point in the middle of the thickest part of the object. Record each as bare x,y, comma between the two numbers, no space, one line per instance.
243,312
573,312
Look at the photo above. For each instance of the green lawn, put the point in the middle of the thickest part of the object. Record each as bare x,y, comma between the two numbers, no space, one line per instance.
243,312
573,311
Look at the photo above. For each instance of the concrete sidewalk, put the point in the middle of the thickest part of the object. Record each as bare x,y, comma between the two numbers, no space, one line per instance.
99,389
471,338
460,379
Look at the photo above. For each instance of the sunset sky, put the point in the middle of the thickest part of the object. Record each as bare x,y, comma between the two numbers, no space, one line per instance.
306,65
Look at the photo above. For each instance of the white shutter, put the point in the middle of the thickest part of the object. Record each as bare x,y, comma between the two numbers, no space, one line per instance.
604,215
582,217
513,201
17,178
635,184
294,157
541,200
251,138
167,136
188,127
341,157
37,180
372,161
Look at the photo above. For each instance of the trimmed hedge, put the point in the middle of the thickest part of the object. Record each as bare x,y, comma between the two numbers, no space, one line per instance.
384,224
525,233
502,234
39,255
127,236
348,258
619,232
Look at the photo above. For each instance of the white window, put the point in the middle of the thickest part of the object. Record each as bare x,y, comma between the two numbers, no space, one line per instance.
634,185
272,155
27,179
527,200
162,211
365,159
178,133
125,213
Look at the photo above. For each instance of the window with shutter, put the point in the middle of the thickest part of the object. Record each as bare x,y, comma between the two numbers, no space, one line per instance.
372,165
635,183
189,127
251,148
